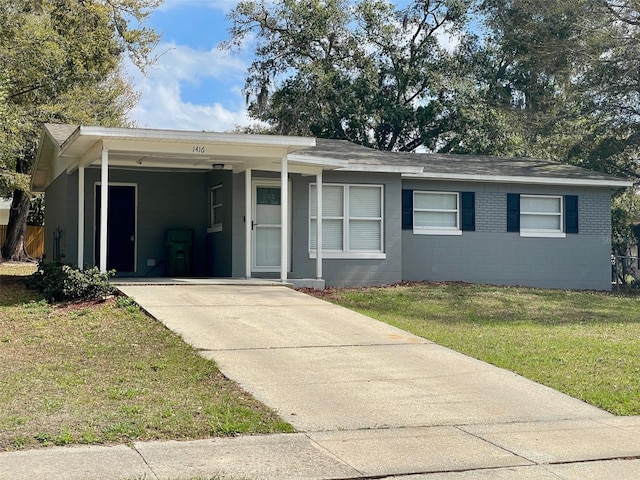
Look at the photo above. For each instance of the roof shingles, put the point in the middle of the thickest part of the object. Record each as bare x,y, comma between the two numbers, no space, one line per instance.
454,165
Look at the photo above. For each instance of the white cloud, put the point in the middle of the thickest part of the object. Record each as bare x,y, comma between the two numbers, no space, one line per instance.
448,40
166,110
162,104
184,63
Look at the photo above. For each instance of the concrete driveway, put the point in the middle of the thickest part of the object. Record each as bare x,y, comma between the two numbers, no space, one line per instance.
372,400
323,367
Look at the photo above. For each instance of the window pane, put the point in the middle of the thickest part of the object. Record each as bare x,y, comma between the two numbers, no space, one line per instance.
312,201
332,201
364,235
216,196
435,219
216,216
540,222
364,202
540,204
435,201
331,235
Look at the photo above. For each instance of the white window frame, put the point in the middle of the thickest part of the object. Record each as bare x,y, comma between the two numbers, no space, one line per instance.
215,208
422,230
537,232
346,251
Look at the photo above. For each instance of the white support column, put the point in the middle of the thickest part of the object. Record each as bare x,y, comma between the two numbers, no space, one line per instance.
104,207
248,222
319,225
284,220
80,218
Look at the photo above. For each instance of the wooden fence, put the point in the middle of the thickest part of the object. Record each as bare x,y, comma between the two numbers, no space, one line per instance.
33,240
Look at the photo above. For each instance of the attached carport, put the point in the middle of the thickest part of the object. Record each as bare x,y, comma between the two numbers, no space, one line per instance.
65,149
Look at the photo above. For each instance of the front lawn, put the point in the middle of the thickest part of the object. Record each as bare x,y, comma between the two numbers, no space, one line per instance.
585,344
97,373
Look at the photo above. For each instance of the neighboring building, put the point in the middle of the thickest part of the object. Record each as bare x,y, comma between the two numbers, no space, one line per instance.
177,203
5,206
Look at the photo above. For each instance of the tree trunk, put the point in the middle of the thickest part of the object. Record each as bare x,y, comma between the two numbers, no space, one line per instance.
13,248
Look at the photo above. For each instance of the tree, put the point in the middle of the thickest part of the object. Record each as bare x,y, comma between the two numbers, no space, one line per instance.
566,75
363,71
61,61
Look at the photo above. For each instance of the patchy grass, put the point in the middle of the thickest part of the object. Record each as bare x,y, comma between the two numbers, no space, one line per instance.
99,373
585,344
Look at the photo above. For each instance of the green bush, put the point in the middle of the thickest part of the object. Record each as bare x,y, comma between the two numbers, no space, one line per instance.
58,281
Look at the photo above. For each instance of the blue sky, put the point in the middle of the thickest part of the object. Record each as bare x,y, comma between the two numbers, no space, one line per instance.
194,85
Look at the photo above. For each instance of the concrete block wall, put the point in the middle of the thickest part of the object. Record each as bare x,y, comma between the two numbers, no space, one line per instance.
491,212
345,271
594,214
492,255
165,200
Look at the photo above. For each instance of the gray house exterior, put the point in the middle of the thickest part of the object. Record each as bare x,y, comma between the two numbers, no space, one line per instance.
231,205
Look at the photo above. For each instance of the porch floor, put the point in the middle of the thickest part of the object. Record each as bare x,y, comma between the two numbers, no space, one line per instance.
310,283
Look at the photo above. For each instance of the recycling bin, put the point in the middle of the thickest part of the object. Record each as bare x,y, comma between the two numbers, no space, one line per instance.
179,252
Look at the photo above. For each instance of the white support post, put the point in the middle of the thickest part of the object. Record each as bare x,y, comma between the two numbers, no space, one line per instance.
80,218
284,220
104,207
248,222
319,225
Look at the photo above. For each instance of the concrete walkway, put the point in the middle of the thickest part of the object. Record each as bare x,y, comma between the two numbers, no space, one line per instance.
370,401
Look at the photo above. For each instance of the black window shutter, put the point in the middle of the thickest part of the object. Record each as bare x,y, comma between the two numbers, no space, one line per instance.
407,209
571,214
468,200
513,212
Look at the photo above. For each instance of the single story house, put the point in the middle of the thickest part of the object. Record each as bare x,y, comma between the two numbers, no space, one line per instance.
152,203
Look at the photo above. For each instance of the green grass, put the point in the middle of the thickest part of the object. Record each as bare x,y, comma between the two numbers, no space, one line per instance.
585,344
97,373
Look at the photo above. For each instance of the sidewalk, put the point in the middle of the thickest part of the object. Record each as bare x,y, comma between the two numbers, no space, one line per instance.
550,450
370,401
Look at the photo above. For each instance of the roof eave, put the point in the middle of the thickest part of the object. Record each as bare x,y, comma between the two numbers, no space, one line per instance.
293,143
45,138
377,168
325,162
586,182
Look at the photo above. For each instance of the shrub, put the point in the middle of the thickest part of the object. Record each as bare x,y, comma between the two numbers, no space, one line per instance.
58,281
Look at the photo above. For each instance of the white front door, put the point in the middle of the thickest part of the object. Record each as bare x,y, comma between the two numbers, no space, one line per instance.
267,226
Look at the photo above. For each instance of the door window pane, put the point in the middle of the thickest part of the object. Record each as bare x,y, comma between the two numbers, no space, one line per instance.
267,246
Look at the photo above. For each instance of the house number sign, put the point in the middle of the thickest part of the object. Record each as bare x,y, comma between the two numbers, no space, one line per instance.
197,149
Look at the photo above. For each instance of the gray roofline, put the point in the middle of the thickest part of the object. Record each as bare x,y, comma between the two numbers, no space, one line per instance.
615,183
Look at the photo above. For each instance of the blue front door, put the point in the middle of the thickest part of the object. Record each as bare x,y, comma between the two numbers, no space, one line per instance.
121,228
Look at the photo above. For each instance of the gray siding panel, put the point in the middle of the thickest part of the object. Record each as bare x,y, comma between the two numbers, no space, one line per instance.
238,253
575,262
165,200
349,272
220,244
56,217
